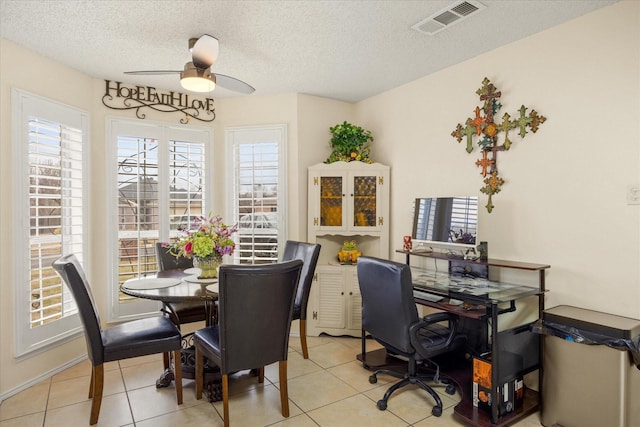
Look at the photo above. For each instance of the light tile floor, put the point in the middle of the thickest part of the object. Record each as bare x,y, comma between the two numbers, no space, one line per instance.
329,389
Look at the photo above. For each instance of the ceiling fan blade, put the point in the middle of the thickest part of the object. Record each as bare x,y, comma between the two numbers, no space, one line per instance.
233,84
152,72
205,51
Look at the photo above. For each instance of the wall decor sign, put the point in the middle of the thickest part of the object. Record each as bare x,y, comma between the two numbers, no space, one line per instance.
487,132
119,96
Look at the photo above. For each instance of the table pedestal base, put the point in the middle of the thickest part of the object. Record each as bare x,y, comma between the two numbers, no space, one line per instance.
165,379
212,378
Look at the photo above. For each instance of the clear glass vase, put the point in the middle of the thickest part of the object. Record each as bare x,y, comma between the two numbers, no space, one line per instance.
208,266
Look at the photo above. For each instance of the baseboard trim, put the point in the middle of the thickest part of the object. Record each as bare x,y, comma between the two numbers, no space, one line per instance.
44,376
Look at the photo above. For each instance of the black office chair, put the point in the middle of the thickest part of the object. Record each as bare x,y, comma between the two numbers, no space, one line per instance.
390,315
308,253
179,312
255,304
126,340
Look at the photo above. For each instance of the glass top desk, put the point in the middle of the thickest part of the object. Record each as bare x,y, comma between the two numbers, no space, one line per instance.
474,293
483,300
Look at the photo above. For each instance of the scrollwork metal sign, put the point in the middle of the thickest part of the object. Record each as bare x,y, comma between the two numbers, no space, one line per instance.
119,96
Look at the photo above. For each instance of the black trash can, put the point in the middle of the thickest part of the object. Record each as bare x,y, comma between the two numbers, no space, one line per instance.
591,367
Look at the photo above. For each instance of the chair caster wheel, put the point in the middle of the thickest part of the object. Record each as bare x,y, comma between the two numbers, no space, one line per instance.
451,389
373,379
382,405
436,411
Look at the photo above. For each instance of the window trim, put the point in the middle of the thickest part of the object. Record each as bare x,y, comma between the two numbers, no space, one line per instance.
116,312
28,341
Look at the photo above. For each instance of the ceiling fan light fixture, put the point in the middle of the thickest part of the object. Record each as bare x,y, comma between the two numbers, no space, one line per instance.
197,79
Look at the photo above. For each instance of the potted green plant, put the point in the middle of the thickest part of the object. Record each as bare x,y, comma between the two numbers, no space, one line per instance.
349,142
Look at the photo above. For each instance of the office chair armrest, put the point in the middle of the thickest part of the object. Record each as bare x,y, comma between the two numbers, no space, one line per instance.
440,317
443,336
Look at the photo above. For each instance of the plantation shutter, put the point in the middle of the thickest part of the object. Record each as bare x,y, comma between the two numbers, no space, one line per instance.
50,211
55,214
159,177
258,192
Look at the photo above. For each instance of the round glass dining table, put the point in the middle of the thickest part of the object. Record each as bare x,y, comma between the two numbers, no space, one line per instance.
174,286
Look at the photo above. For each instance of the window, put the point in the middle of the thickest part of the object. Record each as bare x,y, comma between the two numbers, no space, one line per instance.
50,144
257,199
161,177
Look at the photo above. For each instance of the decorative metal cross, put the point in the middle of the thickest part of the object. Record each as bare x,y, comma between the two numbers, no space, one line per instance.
488,131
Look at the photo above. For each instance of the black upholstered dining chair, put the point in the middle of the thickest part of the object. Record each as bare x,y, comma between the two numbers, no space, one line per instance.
123,341
255,306
308,253
390,315
179,312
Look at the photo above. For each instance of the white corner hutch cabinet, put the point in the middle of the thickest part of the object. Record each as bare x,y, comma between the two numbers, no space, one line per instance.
347,201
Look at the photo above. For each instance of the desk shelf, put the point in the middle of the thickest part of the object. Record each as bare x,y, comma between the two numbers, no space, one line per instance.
488,262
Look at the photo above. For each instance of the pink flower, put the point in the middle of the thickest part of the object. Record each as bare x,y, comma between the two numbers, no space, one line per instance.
187,247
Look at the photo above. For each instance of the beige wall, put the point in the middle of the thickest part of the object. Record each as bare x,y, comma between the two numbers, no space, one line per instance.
563,203
24,70
315,117
564,200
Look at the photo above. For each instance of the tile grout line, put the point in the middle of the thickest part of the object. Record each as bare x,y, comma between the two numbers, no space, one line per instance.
126,391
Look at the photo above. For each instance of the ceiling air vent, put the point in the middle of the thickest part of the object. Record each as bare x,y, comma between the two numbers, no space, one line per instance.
452,14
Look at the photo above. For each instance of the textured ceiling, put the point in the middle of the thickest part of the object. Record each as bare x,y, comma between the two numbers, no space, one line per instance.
345,50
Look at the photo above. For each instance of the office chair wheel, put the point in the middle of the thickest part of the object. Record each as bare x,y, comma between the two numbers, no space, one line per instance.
451,389
373,379
382,405
436,411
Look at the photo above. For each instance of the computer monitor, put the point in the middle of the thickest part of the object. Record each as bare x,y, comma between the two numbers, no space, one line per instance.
449,223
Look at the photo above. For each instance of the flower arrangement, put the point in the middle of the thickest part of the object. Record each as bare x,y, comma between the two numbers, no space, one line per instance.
211,237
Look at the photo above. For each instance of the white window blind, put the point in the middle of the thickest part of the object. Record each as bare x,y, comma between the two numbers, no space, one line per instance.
187,183
50,144
55,214
258,196
138,204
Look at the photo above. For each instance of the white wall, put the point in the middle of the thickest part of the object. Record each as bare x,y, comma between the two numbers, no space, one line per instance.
564,199
563,203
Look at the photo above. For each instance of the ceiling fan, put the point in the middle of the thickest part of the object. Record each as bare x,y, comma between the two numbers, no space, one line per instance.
196,75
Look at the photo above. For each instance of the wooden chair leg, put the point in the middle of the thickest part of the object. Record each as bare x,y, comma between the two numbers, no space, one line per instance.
177,372
199,374
98,385
261,374
284,392
303,338
225,399
92,381
166,359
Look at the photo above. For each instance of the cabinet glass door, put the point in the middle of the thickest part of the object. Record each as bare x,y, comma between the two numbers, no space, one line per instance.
331,201
364,201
